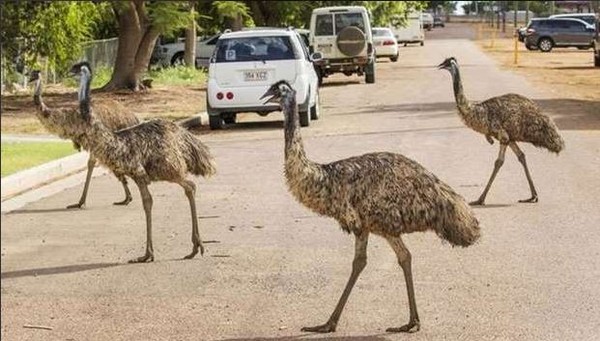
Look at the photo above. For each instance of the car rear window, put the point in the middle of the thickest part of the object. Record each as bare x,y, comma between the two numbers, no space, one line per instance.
324,25
382,33
343,20
255,48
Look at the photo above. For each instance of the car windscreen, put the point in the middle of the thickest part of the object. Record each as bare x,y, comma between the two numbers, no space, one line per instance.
255,48
343,20
382,33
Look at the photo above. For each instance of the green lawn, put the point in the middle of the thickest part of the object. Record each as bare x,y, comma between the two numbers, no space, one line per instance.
18,156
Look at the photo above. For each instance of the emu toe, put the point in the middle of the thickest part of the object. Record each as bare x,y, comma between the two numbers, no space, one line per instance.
144,259
125,202
411,327
477,202
324,328
533,199
78,205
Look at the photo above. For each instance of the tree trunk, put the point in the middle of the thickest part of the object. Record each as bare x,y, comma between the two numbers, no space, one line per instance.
136,42
190,40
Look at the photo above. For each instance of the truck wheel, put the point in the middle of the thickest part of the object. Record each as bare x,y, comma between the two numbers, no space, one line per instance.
315,110
229,118
394,58
422,43
370,73
304,118
215,122
597,60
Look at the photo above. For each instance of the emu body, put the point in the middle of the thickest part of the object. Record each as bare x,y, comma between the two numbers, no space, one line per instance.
509,118
381,193
155,150
62,122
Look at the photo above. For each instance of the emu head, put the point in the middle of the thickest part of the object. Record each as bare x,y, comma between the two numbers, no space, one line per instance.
78,68
34,75
447,64
277,92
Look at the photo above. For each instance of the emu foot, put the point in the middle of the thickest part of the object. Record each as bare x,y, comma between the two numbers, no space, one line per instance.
411,327
78,205
125,201
195,251
328,327
478,202
533,199
148,257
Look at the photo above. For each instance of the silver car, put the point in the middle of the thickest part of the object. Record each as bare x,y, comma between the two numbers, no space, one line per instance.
547,33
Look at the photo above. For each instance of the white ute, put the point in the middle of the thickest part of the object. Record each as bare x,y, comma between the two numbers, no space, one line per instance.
246,63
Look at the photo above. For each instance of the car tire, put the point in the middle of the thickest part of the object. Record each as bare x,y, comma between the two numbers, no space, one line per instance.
583,47
315,110
422,43
229,118
304,118
215,122
370,73
394,58
177,59
405,44
597,60
545,44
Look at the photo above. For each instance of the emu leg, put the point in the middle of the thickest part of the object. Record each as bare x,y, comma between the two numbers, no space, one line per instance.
128,198
404,259
521,156
497,165
359,263
90,169
190,190
147,202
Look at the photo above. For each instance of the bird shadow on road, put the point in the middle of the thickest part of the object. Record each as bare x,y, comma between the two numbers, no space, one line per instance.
313,337
491,206
56,270
42,210
342,83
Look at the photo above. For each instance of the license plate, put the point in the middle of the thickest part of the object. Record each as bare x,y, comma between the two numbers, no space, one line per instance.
252,76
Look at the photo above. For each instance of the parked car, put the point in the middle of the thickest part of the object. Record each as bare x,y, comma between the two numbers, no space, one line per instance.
547,33
427,21
597,47
343,36
409,31
246,63
385,43
521,32
438,21
170,53
589,18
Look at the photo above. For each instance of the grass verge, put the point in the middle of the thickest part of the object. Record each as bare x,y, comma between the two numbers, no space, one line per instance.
17,156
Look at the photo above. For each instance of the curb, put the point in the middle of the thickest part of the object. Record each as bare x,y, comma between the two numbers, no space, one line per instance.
201,119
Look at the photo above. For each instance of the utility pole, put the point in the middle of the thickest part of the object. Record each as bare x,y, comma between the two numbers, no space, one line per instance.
526,12
515,8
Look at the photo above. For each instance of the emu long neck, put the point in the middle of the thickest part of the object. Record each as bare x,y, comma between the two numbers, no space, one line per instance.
461,100
84,93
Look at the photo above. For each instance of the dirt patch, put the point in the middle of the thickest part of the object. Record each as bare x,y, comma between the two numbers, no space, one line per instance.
173,102
567,73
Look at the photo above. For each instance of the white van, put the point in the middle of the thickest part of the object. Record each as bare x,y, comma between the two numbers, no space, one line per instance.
411,33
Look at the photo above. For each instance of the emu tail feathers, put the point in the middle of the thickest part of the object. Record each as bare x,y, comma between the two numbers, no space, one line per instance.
198,158
545,134
458,226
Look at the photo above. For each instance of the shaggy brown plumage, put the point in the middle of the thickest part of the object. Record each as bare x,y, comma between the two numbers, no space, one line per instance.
155,150
382,193
509,118
60,121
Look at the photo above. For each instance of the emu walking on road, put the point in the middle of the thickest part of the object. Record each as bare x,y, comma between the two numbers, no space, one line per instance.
155,150
509,118
58,121
382,193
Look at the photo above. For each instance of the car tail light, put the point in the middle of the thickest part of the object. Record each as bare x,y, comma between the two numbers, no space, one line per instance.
388,42
219,95
230,95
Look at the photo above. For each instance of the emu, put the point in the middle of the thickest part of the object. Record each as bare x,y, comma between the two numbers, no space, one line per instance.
113,115
509,118
155,150
381,193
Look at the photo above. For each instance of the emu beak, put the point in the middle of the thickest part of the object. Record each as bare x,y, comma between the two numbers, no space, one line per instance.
270,97
441,66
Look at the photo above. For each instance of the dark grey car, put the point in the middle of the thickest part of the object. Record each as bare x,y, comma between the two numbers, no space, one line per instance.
547,33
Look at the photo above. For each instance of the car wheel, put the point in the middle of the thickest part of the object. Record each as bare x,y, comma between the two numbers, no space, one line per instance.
177,59
394,58
597,60
370,73
304,119
422,43
405,44
583,47
315,110
545,44
215,122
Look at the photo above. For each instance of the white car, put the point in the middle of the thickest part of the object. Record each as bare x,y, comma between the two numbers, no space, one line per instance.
385,43
246,63
171,54
427,20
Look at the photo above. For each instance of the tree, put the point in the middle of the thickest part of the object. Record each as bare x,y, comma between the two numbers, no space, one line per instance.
189,54
140,23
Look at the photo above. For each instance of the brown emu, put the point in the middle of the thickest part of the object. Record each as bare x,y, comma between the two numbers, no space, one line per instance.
56,121
155,150
382,193
509,118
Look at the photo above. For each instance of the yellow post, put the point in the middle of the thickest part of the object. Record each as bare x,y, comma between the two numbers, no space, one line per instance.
516,51
493,38
479,31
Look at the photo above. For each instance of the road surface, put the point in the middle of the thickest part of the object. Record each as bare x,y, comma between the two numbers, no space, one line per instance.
274,266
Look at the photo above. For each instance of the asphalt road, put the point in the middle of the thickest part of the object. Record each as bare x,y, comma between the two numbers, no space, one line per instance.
278,267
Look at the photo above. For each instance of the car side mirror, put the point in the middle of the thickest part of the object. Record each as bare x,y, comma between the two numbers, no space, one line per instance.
316,57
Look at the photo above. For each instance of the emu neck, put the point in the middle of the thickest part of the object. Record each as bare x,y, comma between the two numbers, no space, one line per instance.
84,94
461,100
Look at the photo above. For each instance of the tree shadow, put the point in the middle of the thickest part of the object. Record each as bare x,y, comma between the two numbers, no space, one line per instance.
309,336
56,270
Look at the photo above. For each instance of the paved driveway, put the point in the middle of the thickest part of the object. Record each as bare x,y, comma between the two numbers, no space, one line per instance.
273,266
